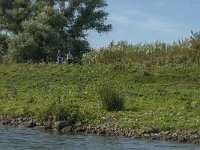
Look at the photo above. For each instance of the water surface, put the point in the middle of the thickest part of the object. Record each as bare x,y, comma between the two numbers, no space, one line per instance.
34,139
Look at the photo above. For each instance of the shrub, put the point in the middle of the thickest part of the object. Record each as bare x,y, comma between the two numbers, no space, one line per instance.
68,112
111,100
3,47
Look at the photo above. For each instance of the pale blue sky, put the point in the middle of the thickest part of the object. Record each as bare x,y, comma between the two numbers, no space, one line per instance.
145,21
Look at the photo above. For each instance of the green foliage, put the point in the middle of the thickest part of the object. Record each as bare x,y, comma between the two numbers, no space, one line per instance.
122,55
13,13
166,99
160,96
40,28
195,40
79,48
64,111
3,47
22,48
195,44
39,36
111,100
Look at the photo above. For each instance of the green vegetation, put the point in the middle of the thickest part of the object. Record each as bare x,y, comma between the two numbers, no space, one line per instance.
111,100
159,84
38,28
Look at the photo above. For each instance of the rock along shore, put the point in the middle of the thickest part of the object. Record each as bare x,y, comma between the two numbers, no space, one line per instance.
65,127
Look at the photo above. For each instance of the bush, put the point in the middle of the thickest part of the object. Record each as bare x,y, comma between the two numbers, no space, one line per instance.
3,47
68,112
111,100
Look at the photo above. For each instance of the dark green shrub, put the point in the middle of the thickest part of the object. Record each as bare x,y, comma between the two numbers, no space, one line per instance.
68,112
111,100
3,47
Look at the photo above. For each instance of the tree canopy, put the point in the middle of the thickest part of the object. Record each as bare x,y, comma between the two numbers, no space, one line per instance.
38,28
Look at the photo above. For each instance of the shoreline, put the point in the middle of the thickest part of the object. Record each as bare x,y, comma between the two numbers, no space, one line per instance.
179,136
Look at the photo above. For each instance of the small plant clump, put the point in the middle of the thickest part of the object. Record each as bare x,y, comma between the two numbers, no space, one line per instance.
111,100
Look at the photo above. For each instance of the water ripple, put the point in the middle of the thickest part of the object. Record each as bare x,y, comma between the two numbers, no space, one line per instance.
32,139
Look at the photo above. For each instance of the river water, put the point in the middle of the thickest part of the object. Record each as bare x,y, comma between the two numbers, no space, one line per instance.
34,139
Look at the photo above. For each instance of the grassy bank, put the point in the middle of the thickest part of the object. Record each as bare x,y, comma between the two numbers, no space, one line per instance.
161,88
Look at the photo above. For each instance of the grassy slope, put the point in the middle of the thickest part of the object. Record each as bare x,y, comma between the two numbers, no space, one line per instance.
166,97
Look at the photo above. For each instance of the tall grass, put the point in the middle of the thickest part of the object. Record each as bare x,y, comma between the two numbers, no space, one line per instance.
111,99
123,54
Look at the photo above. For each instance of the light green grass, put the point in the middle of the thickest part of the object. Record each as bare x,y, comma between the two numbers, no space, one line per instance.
162,96
167,99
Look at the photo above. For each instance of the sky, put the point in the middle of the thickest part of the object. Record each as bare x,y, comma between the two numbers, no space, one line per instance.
147,21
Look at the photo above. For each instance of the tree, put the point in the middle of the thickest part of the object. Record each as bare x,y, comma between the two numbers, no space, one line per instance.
40,35
83,15
3,46
39,26
13,13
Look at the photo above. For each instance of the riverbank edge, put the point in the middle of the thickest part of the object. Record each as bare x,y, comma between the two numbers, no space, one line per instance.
103,129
